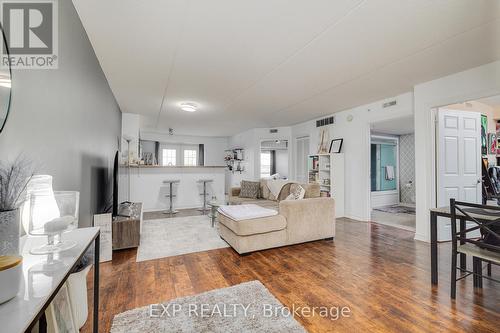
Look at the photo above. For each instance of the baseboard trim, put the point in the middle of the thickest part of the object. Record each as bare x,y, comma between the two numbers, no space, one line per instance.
152,210
421,238
357,218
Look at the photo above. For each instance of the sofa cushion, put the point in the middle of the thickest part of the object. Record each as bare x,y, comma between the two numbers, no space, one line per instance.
297,192
264,190
312,190
246,212
249,189
254,226
285,192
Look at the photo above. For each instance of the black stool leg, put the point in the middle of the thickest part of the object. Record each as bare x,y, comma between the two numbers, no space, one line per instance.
480,272
475,270
204,197
453,291
489,268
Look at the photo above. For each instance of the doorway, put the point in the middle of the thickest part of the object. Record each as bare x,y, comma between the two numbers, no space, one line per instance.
467,151
274,159
301,156
392,173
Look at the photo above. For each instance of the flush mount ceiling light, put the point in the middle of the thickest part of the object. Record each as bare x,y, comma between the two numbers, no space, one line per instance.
188,107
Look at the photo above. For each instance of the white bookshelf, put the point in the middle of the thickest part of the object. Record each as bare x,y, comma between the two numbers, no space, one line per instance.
327,170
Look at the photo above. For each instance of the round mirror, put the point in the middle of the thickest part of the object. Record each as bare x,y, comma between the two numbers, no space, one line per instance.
5,84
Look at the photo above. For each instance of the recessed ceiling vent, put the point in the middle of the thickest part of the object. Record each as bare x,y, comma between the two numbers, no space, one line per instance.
389,104
325,121
273,130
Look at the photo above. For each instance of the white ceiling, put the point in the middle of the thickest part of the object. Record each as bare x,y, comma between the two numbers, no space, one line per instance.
265,63
399,126
493,101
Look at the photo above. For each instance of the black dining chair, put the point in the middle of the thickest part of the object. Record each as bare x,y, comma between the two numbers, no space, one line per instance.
485,248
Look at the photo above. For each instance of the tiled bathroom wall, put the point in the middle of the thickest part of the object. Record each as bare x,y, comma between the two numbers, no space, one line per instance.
407,168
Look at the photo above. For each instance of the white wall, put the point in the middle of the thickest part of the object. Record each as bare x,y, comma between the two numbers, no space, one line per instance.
250,141
356,135
473,84
130,130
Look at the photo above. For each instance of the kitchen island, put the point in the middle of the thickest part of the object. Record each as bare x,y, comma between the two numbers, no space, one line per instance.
146,185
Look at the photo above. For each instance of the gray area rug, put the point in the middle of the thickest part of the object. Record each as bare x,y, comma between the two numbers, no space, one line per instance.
397,209
250,294
176,236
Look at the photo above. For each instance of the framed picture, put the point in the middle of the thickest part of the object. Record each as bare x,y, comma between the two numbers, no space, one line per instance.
323,141
336,146
59,314
492,143
484,136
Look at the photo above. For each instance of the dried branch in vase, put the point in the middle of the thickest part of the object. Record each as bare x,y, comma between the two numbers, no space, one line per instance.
14,176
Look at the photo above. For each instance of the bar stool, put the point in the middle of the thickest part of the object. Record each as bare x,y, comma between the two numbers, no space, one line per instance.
204,209
171,195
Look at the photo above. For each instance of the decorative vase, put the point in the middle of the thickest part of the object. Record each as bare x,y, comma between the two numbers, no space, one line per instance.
9,232
77,290
11,271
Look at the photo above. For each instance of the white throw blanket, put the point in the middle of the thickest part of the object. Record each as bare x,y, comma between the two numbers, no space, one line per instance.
246,212
275,186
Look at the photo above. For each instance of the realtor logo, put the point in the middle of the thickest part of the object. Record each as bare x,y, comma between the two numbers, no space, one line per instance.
30,29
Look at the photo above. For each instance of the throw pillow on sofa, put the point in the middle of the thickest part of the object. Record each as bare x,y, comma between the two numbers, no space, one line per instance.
249,189
297,192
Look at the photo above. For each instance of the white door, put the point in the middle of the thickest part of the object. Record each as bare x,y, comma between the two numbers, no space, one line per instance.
459,161
301,153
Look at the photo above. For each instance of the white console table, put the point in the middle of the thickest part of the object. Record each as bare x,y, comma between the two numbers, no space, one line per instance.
40,284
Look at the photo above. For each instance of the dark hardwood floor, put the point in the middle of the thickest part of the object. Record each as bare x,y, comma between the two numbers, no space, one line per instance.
379,272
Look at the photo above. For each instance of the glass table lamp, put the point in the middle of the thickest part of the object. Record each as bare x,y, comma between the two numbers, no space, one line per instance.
52,214
39,185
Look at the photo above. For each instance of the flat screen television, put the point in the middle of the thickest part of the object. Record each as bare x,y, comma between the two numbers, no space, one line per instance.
115,185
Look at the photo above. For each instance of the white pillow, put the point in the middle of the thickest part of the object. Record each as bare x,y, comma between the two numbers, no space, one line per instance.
297,192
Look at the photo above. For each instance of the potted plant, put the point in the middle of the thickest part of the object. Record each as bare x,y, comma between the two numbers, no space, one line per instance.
13,180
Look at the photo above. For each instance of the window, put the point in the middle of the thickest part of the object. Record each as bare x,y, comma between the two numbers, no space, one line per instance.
265,164
190,158
169,157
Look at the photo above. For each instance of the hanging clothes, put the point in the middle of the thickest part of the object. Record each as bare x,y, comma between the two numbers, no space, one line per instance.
389,172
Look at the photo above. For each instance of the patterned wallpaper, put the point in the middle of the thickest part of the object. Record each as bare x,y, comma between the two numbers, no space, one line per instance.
407,168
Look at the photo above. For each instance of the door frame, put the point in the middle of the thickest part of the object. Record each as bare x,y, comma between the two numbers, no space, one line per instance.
394,138
296,159
437,182
422,208
368,141
259,149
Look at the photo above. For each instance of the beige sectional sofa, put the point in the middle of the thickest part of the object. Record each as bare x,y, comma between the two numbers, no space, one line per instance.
266,198
298,221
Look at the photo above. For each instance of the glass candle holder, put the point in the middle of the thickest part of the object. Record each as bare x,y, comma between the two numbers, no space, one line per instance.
51,215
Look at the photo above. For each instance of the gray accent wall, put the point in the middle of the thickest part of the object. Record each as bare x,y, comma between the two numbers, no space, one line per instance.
67,120
407,168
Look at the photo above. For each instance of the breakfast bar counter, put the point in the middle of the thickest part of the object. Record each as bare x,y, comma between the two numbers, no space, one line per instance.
147,185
